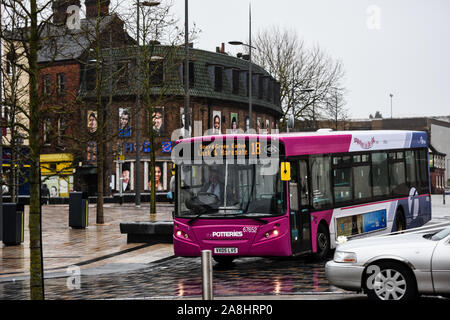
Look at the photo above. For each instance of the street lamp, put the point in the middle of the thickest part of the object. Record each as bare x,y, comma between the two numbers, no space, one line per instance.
138,103
249,45
187,111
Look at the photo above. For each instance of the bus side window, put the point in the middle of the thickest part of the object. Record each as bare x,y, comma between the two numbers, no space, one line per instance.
303,181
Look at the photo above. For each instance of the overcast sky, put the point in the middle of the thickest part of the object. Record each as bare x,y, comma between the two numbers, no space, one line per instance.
392,46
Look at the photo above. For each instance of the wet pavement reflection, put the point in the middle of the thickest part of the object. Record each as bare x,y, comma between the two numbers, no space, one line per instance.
181,277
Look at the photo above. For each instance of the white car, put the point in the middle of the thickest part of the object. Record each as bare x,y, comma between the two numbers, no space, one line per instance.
394,267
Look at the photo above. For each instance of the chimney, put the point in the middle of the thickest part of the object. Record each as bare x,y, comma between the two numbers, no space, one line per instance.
59,8
92,8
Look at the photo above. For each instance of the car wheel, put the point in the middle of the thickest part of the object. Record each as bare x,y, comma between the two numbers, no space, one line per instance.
391,281
323,243
400,223
223,260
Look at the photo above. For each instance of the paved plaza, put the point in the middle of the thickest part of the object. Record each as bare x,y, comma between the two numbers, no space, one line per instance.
109,268
93,247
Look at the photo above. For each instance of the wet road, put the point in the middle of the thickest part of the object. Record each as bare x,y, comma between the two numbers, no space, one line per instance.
181,278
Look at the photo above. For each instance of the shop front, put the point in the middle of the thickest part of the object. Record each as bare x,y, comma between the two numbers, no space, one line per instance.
126,169
57,173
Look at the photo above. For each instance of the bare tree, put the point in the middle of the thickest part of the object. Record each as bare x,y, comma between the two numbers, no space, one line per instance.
157,63
336,110
305,74
26,21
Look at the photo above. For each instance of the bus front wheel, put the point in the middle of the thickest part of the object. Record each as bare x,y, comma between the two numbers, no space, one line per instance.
323,243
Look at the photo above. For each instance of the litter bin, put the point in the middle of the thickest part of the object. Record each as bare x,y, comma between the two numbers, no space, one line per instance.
78,210
12,223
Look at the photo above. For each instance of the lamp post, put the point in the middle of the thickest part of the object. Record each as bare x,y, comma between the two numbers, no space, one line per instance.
250,47
391,95
138,103
187,111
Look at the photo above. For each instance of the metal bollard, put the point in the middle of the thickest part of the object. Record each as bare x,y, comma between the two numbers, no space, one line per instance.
207,275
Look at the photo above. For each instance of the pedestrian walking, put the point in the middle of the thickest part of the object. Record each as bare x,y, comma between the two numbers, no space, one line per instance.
171,189
45,194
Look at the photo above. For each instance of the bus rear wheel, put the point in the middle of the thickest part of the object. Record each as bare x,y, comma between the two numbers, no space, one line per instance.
323,243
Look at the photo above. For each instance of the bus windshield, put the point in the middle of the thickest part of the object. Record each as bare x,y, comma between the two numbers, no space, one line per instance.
228,190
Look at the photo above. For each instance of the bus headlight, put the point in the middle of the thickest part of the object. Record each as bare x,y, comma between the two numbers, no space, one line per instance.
344,257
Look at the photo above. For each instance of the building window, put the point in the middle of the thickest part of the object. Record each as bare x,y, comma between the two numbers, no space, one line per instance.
235,82
10,58
243,79
260,87
270,90
47,131
61,79
255,85
47,84
61,131
218,80
156,73
191,74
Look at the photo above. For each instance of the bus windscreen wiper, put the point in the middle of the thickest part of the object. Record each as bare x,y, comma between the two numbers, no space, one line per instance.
204,211
255,218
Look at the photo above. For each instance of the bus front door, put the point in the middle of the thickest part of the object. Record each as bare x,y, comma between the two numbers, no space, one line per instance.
300,207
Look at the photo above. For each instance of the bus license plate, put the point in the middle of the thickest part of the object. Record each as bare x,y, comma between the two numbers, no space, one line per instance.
226,250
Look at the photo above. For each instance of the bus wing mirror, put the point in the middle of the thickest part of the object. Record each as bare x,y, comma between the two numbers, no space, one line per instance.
285,171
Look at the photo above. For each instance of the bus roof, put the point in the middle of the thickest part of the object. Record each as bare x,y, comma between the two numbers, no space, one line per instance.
324,141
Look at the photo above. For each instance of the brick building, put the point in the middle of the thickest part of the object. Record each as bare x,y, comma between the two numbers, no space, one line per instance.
218,92
62,61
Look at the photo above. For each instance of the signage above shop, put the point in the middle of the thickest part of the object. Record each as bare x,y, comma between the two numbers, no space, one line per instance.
130,147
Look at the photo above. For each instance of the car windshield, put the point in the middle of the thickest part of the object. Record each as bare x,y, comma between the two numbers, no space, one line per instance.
440,235
228,190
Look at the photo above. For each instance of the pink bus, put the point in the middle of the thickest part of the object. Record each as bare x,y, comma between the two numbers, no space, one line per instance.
290,194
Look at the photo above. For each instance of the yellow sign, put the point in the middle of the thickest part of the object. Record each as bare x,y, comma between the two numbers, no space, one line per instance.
285,171
219,149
